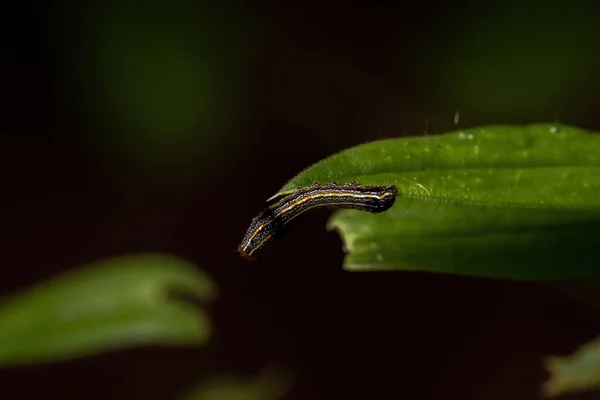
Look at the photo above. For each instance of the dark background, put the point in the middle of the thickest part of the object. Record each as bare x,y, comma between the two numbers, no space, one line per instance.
164,126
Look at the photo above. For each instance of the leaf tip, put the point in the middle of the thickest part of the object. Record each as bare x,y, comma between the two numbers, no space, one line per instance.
553,386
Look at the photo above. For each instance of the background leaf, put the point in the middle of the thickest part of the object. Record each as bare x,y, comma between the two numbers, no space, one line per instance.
520,202
272,383
576,372
108,305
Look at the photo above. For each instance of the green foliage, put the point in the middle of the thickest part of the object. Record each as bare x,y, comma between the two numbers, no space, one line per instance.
271,384
108,305
576,372
517,202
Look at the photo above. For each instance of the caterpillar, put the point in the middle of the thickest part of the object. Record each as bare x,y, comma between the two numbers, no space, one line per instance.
267,224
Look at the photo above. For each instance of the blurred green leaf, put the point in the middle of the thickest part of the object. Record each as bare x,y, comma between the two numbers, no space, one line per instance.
519,202
271,384
576,372
108,305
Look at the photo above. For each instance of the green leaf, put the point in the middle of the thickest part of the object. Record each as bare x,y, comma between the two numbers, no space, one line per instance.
520,202
270,384
112,304
534,166
576,372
